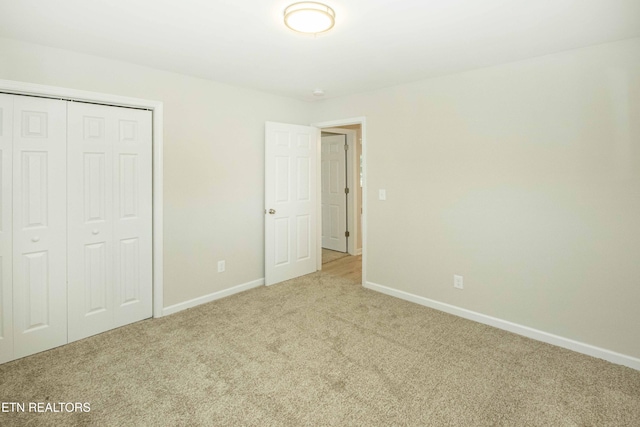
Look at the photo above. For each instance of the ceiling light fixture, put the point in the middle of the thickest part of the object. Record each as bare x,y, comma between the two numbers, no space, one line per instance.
309,17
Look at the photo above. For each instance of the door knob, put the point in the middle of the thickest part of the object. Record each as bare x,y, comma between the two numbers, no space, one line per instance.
95,231
272,211
35,239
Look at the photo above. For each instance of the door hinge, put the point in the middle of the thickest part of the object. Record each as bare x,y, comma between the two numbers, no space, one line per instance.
346,234
346,147
346,191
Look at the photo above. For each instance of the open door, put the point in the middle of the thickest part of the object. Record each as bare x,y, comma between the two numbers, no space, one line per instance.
334,192
290,201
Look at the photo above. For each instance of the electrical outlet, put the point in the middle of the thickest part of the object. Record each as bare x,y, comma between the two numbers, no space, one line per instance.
382,194
458,282
221,266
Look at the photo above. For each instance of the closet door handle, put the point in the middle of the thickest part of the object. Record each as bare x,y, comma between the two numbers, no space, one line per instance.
35,239
95,231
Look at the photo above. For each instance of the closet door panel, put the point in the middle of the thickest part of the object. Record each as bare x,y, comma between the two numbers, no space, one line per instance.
132,212
92,133
109,175
6,228
39,224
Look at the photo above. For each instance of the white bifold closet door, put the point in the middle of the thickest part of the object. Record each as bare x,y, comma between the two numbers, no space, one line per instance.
39,224
109,219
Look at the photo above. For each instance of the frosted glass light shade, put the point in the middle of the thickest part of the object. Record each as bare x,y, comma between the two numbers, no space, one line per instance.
309,17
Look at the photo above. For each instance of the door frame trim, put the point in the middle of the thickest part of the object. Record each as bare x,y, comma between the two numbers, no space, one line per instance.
156,107
362,121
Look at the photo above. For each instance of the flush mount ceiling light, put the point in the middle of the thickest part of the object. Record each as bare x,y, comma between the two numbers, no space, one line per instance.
309,17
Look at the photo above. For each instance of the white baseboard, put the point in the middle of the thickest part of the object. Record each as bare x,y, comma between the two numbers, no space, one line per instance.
590,350
358,252
211,297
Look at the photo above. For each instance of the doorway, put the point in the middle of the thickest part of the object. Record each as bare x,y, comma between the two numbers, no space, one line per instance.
293,205
353,130
337,193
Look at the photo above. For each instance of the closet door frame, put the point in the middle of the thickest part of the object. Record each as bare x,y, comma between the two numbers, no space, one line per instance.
156,107
6,229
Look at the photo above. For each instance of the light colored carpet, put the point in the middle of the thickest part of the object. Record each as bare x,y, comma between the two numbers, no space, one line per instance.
319,351
329,256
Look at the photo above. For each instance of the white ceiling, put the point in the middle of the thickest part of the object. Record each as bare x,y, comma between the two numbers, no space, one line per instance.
375,43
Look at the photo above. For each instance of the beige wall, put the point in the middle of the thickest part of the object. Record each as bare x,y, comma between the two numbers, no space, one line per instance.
525,179
213,159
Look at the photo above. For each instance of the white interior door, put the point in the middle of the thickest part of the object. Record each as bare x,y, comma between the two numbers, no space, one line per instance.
39,224
334,196
290,201
6,229
109,156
